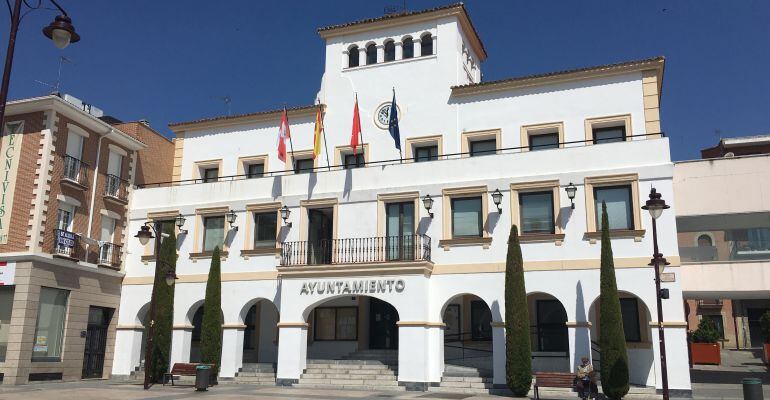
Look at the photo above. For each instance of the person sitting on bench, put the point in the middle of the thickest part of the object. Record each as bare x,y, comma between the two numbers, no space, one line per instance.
585,384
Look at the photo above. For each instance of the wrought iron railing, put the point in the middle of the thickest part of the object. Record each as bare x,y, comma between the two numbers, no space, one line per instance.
67,244
75,171
356,250
109,254
116,188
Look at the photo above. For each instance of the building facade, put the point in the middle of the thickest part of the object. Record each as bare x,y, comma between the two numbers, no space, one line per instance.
725,240
66,185
361,266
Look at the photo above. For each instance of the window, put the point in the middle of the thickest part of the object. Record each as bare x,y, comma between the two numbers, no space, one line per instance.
210,174
466,217
213,232
371,54
6,309
483,147
718,322
619,203
481,321
335,323
74,145
353,56
609,134
629,309
115,164
537,212
255,170
49,330
390,51
426,153
705,241
265,228
64,217
303,165
408,48
551,326
353,160
426,44
544,141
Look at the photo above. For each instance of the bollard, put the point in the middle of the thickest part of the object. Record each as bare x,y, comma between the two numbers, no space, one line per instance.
752,389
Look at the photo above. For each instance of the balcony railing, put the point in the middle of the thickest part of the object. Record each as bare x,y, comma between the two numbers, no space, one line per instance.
732,250
711,303
75,171
109,254
116,188
379,249
67,244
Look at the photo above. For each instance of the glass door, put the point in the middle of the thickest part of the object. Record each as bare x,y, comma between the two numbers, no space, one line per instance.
399,235
319,235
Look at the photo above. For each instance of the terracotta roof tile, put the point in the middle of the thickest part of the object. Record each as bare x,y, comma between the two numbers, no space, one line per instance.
238,116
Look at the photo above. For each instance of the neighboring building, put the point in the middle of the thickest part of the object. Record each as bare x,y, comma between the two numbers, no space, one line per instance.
67,178
723,218
360,268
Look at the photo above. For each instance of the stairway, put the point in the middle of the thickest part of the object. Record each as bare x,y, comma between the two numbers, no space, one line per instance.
355,374
461,379
262,374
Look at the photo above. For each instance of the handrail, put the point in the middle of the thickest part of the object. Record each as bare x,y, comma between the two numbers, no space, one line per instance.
75,170
116,187
394,161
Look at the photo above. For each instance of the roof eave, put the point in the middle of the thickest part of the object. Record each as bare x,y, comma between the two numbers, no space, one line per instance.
235,120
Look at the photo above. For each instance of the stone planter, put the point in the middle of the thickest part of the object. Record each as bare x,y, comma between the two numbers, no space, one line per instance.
766,353
705,353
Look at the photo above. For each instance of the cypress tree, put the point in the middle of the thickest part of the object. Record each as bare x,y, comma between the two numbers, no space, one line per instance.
612,339
164,307
211,327
518,351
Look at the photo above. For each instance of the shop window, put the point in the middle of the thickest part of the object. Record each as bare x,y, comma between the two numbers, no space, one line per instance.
335,323
49,330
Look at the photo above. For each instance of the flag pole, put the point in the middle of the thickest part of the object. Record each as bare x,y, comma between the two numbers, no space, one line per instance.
360,135
400,154
323,132
291,143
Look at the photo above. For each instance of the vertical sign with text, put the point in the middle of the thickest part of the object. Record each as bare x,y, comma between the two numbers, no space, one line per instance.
10,152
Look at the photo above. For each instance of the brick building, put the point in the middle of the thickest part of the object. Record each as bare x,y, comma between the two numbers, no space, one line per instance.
66,182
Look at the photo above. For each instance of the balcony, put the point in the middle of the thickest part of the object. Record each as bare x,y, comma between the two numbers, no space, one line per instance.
109,255
67,245
730,250
712,303
352,251
75,173
116,189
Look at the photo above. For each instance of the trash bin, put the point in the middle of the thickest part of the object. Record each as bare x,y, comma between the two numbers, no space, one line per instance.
752,389
202,377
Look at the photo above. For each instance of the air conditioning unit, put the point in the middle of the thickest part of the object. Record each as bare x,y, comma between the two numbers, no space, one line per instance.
89,108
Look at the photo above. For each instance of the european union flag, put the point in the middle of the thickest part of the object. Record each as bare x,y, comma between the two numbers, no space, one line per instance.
393,122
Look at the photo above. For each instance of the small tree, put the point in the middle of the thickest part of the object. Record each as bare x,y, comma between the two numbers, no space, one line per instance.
518,353
612,339
707,332
211,326
164,308
764,322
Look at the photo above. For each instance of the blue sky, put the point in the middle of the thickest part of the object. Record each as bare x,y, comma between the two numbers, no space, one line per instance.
169,61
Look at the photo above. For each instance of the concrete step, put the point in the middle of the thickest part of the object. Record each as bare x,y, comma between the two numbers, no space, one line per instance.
348,367
255,375
350,387
337,375
471,379
257,367
467,385
344,362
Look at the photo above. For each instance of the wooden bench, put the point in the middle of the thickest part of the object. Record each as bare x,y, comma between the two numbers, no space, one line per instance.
554,380
182,369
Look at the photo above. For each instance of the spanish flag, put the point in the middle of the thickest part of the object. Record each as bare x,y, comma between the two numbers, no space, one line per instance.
319,127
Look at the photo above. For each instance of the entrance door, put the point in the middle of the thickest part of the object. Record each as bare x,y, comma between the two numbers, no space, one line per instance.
96,341
383,332
551,326
320,232
400,231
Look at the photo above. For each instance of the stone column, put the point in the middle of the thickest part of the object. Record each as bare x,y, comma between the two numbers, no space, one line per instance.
232,350
362,56
420,344
181,340
292,352
380,54
579,334
677,358
498,354
417,47
128,349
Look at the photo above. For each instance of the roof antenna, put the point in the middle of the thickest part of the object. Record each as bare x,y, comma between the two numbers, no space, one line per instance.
56,87
227,100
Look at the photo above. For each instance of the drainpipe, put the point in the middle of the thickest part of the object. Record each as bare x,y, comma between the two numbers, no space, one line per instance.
93,187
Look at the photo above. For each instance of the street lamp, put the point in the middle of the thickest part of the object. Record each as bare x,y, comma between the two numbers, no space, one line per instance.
655,205
427,202
152,230
497,198
285,213
231,216
571,190
61,31
180,220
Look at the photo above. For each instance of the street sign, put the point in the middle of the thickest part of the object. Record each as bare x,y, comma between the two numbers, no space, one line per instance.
7,273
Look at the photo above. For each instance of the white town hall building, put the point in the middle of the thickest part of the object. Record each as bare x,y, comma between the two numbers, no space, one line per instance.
361,269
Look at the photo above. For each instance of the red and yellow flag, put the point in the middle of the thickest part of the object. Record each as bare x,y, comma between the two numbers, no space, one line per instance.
319,127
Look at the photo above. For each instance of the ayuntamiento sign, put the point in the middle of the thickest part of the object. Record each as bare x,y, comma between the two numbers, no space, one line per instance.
10,153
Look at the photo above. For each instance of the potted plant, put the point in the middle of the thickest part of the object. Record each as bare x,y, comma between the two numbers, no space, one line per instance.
704,348
764,322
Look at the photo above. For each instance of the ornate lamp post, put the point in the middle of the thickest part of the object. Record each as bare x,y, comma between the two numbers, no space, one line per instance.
655,205
60,31
144,235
